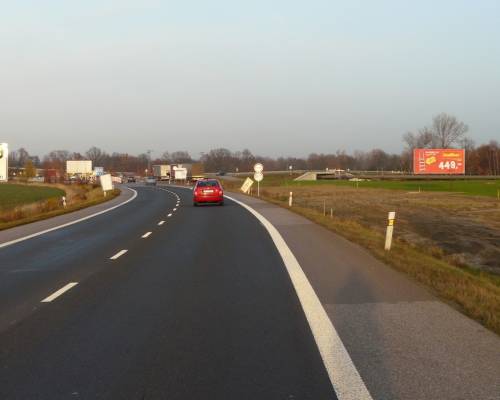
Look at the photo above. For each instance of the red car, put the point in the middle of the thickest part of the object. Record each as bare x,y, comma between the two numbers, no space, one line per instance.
208,191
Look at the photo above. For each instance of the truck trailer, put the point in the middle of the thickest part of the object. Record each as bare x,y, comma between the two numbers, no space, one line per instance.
162,172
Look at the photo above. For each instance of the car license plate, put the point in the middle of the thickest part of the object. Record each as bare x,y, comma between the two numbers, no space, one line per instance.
208,191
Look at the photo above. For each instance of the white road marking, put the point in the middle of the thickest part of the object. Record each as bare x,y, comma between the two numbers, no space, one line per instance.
147,234
175,209
118,255
161,223
59,292
169,215
69,223
344,376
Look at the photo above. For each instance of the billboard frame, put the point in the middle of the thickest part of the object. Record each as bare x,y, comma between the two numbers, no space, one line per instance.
438,161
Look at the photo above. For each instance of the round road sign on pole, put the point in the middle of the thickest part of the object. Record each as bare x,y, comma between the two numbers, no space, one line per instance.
258,168
258,176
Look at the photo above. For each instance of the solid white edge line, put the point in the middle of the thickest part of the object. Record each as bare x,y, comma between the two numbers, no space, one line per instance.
147,234
118,255
59,292
344,376
69,223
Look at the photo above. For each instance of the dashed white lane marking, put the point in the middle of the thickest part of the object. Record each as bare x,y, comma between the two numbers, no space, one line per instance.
118,255
169,215
147,234
59,292
70,223
161,223
175,209
344,376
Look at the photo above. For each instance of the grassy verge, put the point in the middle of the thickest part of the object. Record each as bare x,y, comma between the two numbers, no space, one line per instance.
474,292
13,195
78,197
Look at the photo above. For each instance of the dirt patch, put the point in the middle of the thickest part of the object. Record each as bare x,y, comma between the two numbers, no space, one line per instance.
463,229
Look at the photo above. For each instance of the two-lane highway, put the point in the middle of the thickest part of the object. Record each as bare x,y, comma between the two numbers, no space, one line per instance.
197,304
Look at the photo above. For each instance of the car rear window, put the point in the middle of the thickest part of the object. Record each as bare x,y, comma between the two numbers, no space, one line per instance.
208,184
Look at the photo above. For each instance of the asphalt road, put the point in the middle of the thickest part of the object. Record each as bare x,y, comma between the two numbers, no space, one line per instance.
200,308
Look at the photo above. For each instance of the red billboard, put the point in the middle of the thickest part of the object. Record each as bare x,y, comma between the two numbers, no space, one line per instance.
439,161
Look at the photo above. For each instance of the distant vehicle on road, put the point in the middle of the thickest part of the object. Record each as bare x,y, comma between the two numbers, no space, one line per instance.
150,180
221,173
162,172
131,179
208,191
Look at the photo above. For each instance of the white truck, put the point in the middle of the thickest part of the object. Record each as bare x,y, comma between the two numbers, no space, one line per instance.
161,172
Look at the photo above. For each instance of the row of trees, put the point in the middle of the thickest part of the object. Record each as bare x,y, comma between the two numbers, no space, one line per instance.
446,131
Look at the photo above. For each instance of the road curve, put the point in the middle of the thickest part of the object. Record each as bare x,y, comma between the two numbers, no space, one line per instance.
156,299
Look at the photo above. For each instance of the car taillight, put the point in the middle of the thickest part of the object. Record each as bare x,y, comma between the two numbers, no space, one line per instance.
220,192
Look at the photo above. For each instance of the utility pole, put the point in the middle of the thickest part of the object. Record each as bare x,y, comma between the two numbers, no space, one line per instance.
149,160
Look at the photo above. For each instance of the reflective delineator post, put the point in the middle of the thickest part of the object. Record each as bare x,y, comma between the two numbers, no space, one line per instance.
64,201
290,199
390,230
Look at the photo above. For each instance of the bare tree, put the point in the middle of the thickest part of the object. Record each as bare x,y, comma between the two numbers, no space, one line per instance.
180,157
23,156
448,130
56,159
96,155
166,157
424,138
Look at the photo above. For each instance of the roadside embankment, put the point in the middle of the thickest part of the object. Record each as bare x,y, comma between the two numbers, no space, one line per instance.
25,203
447,241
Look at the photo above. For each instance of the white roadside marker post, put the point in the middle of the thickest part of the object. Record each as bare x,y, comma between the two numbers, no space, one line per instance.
290,199
390,230
64,201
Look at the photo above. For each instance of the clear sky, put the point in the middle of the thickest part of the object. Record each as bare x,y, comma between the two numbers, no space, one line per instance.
280,77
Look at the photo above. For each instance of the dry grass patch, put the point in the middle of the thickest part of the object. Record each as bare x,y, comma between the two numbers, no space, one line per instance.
475,293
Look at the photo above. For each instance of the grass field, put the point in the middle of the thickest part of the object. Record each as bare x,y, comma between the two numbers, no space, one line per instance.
470,187
474,188
13,195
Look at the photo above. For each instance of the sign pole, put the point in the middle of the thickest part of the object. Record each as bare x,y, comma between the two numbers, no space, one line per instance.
258,176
